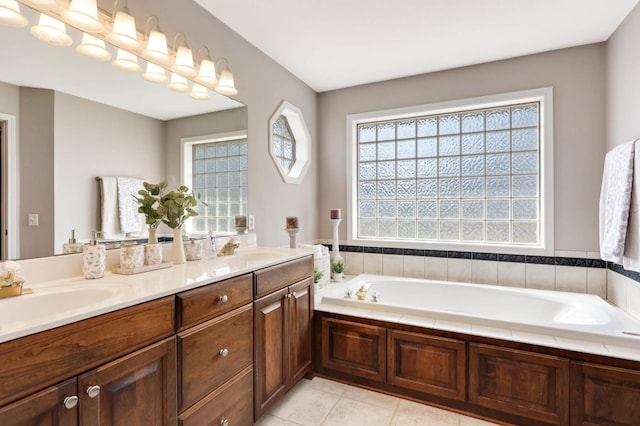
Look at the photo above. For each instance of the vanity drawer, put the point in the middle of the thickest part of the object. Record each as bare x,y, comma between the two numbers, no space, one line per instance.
276,277
232,402
203,365
198,305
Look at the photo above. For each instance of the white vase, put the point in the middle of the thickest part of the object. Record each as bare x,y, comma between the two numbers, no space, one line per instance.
177,250
153,238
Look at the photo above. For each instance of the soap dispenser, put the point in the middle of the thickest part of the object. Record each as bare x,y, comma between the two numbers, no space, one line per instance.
94,258
72,246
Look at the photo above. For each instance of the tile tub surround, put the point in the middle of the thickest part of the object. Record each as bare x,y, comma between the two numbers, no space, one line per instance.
323,402
573,271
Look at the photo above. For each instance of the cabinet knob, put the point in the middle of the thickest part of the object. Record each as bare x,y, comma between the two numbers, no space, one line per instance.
224,352
293,294
288,296
223,299
93,391
224,422
70,402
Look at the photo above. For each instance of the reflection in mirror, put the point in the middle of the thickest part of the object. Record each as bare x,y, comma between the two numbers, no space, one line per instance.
66,119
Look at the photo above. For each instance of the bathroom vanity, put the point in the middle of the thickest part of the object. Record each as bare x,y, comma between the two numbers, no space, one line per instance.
193,349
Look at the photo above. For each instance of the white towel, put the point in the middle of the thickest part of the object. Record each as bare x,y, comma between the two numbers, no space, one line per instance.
631,259
110,219
131,222
615,199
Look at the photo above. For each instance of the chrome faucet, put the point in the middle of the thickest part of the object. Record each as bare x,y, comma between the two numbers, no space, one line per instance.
362,292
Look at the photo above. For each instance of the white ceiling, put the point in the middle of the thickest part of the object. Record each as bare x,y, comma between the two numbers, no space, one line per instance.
331,44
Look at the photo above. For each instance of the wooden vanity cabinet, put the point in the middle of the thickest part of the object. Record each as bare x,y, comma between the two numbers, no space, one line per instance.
215,346
283,313
45,408
137,389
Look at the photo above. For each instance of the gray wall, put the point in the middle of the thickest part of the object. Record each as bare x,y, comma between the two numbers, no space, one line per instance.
577,76
262,85
623,81
93,139
36,124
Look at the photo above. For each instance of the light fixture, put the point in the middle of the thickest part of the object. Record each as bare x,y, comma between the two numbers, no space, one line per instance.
124,33
42,4
83,14
184,58
155,73
51,31
199,92
178,83
10,15
126,61
226,86
93,47
206,70
156,48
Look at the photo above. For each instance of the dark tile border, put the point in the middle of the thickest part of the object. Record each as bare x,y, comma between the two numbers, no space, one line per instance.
499,257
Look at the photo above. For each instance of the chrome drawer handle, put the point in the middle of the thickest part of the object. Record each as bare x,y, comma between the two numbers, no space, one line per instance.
224,422
93,391
223,299
224,352
70,402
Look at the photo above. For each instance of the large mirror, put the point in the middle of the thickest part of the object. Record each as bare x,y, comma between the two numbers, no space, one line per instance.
66,119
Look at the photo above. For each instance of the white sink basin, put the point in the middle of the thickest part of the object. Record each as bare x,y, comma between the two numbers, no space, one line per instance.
56,300
260,254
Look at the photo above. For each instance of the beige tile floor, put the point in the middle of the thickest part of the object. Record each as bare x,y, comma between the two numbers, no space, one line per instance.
322,402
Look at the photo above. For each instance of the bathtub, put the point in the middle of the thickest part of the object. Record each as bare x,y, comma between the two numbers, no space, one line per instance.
554,313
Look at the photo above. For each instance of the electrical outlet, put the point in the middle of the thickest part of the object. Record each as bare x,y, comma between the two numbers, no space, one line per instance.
33,219
252,222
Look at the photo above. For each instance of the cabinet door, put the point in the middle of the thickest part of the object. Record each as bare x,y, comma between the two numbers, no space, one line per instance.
46,408
300,317
604,395
270,337
354,349
429,364
136,390
526,384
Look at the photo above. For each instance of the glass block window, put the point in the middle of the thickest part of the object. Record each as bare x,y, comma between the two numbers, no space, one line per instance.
219,174
471,176
283,143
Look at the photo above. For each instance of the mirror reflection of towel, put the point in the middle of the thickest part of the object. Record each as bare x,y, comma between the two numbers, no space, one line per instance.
130,220
110,219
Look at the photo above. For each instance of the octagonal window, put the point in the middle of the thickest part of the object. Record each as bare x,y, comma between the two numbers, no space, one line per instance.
289,142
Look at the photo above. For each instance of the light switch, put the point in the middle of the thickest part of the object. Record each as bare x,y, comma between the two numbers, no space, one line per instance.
252,222
33,219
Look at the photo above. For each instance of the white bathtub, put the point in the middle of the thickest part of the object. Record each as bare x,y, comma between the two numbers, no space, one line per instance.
563,314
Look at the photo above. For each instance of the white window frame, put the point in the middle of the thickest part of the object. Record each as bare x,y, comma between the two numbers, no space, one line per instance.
544,96
186,157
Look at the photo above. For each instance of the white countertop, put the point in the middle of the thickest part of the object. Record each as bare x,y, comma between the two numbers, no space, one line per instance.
61,302
630,351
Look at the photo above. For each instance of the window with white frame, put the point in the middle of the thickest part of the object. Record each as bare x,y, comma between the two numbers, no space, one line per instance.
472,172
216,167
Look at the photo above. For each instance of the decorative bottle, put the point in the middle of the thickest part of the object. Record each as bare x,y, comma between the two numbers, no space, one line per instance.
94,258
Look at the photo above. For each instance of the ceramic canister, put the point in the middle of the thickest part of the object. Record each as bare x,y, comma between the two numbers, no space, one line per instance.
131,256
193,250
153,254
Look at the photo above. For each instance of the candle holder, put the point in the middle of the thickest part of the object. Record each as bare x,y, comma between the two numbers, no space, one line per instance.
240,230
337,262
292,236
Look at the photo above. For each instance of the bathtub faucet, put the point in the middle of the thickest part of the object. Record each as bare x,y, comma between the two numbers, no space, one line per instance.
362,292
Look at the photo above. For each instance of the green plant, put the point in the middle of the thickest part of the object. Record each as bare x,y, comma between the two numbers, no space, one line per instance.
337,267
317,275
178,206
149,201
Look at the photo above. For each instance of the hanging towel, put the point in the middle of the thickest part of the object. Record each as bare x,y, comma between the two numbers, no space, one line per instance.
110,219
131,222
631,259
615,199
